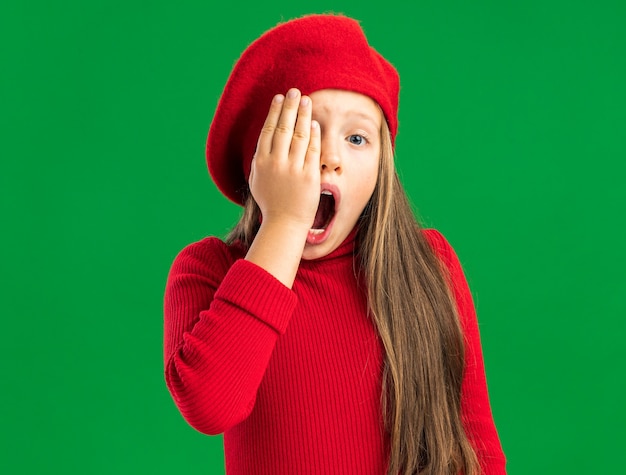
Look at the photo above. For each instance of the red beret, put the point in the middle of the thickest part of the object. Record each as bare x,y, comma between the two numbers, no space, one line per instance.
310,53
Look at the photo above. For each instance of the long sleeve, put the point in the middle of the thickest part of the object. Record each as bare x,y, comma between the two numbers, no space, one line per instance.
222,317
476,410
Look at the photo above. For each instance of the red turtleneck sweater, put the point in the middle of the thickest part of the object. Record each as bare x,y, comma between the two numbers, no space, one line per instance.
292,377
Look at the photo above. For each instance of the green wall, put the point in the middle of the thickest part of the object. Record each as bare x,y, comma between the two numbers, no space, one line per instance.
512,142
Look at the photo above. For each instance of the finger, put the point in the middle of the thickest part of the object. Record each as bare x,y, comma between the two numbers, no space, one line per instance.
264,144
312,159
281,142
302,131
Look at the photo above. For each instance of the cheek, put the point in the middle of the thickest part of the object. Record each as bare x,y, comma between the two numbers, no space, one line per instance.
362,175
366,181
369,172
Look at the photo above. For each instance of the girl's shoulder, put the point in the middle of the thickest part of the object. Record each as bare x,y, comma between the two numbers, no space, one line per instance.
445,253
209,255
438,243
455,274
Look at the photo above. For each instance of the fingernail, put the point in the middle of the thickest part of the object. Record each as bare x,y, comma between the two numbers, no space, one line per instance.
304,101
278,98
292,94
314,124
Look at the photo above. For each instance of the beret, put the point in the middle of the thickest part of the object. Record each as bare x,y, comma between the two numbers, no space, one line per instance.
309,53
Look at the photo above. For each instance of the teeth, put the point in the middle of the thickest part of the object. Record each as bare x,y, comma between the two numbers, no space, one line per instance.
326,192
316,231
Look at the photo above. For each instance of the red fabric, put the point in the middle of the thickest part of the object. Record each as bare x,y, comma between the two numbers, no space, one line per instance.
311,53
293,377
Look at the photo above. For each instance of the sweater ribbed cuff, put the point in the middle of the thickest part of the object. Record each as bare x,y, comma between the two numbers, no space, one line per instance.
259,293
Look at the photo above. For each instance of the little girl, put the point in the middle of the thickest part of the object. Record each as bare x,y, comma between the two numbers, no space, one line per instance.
329,334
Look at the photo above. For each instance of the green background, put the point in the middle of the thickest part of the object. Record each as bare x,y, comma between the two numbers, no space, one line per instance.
512,143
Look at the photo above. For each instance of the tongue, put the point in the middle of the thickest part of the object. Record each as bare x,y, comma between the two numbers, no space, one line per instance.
324,212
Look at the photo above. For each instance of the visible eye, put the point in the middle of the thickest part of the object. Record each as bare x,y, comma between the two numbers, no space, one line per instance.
356,139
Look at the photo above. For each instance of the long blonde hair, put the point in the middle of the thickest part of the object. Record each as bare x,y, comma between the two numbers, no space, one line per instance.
415,314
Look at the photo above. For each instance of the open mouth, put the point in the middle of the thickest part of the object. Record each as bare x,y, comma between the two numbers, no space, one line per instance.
325,212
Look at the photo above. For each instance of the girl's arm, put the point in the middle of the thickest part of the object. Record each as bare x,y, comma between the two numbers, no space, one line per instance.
222,319
475,408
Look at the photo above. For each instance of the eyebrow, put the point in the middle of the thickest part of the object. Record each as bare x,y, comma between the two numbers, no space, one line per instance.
361,115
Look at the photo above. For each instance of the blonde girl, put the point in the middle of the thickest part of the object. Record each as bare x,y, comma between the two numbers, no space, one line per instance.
329,333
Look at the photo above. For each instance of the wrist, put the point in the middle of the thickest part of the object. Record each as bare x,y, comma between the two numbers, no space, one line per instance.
278,248
288,225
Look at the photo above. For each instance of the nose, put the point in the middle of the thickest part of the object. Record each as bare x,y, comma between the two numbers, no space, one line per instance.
330,158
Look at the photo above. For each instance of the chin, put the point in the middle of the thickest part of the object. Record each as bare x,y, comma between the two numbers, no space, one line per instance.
313,252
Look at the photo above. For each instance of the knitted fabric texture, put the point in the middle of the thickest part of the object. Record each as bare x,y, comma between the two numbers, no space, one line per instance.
292,377
310,53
